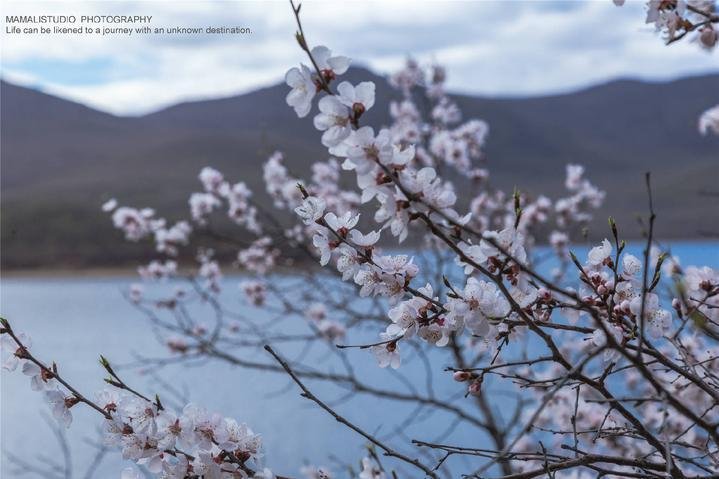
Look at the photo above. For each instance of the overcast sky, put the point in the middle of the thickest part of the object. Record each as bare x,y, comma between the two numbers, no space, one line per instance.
489,47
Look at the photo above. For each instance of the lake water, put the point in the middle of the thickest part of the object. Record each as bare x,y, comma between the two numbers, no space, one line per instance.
73,320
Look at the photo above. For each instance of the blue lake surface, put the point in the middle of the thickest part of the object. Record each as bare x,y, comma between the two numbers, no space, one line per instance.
73,320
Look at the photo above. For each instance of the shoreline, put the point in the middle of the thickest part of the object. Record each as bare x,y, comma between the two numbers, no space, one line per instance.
131,271
49,272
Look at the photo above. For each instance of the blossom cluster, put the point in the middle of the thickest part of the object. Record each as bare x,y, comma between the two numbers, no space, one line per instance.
676,18
318,316
217,190
192,443
397,168
139,224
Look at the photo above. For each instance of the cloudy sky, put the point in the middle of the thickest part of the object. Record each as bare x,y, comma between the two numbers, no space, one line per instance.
507,48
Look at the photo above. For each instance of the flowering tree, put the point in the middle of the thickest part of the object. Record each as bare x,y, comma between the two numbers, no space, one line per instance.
610,360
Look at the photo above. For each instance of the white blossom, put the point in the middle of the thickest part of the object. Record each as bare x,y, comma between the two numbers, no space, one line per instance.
359,98
10,350
303,90
334,120
60,406
632,265
658,320
387,353
599,254
39,378
201,205
311,209
328,64
370,470
364,240
709,120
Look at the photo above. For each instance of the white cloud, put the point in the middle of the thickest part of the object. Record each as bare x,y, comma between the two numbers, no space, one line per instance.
489,47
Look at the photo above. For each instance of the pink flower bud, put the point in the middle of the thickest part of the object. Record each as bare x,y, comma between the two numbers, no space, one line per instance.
625,305
708,36
676,304
475,388
461,376
545,294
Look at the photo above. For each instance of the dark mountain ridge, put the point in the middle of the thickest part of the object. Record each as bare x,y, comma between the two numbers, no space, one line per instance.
61,160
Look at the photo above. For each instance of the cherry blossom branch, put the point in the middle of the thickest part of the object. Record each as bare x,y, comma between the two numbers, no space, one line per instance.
306,393
23,353
302,41
109,410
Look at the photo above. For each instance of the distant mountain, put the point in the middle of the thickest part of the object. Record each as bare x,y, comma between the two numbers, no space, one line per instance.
61,160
